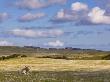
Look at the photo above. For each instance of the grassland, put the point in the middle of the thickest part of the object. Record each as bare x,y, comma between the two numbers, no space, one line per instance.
46,64
54,65
55,70
66,76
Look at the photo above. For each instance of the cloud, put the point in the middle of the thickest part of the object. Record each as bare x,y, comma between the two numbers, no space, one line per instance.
80,14
77,12
97,16
78,6
29,33
63,16
56,43
3,16
35,4
31,17
103,4
5,43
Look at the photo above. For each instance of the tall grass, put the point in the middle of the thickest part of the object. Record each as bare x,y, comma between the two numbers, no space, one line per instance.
65,76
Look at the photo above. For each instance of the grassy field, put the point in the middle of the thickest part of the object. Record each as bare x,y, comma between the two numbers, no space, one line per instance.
55,70
66,76
54,65
46,64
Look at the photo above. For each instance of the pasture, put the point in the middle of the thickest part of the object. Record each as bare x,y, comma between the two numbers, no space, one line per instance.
54,65
55,70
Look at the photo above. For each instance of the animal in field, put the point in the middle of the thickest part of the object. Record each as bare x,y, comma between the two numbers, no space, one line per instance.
25,70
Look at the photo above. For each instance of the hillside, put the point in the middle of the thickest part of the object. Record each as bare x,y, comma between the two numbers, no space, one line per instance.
61,53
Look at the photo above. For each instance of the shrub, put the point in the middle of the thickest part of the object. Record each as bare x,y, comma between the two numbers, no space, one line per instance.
106,57
23,56
55,57
12,56
2,58
60,57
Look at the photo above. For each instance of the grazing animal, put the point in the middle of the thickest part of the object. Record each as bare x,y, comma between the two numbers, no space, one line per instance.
25,70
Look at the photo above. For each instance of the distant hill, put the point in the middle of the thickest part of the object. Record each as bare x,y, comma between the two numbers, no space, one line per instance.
68,52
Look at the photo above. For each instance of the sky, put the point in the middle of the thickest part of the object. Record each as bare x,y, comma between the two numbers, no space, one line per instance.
55,23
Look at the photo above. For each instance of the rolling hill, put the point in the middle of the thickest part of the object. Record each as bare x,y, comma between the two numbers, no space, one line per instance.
61,53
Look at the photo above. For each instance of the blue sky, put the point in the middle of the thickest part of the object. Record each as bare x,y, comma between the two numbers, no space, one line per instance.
55,23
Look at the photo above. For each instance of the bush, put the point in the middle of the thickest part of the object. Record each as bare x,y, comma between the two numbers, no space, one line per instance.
23,56
12,56
55,57
60,57
2,58
106,57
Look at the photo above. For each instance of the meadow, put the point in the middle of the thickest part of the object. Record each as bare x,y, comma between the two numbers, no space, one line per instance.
50,76
55,70
54,65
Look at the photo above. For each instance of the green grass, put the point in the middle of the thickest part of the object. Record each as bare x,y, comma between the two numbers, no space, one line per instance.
67,76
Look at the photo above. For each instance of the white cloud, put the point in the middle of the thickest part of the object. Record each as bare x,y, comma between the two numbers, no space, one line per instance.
60,14
56,43
54,32
23,33
77,6
105,4
30,4
33,4
77,12
81,15
30,17
5,43
97,16
64,16
36,33
3,16
56,1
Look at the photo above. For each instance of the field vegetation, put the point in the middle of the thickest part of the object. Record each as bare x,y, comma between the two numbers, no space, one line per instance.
54,65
